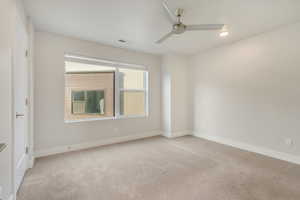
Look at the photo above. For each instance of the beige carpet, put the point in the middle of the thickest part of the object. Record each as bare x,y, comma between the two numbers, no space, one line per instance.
161,169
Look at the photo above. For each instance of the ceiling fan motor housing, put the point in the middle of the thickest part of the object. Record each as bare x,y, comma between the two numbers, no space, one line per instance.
179,12
179,28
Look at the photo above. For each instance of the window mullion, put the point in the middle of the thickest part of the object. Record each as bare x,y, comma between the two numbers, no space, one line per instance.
117,93
146,85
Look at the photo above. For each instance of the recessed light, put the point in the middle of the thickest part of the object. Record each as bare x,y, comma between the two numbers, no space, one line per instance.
224,33
122,41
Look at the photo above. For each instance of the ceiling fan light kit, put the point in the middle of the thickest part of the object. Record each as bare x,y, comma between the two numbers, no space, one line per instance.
224,32
178,27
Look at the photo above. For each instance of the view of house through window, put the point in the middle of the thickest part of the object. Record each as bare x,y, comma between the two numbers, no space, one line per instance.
88,102
132,92
91,92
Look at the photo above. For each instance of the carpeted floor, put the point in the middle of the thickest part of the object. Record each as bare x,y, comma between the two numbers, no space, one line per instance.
185,168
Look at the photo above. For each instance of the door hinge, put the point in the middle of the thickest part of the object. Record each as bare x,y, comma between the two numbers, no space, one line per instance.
26,53
27,150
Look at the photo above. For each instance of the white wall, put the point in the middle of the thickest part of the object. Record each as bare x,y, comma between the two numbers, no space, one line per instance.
50,130
249,91
176,118
10,10
166,124
31,32
6,22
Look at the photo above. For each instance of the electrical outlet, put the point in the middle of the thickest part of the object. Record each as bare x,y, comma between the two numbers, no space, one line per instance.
289,141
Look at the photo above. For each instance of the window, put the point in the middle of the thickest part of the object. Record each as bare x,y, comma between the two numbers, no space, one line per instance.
89,95
97,89
88,102
132,92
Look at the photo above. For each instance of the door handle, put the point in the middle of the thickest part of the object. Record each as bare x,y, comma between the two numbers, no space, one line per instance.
19,115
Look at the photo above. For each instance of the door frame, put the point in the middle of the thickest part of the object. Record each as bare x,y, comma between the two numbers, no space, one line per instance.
28,29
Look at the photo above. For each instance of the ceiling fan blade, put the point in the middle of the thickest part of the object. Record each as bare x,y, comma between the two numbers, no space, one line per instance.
164,38
172,18
204,27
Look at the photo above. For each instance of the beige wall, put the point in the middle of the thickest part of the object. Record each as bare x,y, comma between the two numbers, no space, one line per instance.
50,129
7,11
249,91
89,81
10,11
176,117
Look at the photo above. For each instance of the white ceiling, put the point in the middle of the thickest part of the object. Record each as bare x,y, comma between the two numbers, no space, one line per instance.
142,22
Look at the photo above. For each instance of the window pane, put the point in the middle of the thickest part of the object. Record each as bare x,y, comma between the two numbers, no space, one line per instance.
132,79
94,100
132,103
89,95
78,95
88,102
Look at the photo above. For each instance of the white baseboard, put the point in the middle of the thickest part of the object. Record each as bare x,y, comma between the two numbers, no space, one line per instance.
76,147
260,150
177,134
30,163
20,170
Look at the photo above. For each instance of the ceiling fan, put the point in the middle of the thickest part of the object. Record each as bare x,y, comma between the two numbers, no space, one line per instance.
178,27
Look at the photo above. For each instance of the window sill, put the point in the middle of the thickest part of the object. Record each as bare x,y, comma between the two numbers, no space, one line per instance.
88,120
105,118
132,116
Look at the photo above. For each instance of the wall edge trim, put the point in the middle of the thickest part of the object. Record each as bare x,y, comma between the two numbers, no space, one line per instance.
177,134
87,145
252,148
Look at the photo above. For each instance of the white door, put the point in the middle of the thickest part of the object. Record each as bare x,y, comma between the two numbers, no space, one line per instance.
20,79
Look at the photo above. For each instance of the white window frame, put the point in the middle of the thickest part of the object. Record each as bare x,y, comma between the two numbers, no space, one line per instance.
119,90
116,65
